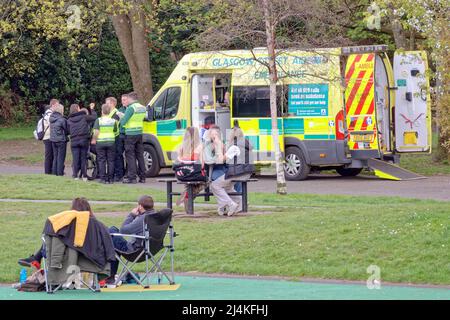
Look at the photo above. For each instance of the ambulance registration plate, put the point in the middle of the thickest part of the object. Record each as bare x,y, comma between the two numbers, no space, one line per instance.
361,137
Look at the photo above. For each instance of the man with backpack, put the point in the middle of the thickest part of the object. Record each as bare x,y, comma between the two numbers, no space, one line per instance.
42,132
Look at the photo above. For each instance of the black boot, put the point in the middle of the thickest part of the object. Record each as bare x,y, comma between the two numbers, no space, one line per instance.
27,262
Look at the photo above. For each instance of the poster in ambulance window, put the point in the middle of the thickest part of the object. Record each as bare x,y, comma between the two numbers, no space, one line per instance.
412,102
308,100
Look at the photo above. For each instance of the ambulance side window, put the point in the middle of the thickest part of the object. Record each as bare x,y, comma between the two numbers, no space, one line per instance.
158,106
172,102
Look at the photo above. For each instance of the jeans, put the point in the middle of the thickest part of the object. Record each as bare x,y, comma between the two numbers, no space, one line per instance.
120,244
134,151
48,157
59,157
105,160
79,157
119,169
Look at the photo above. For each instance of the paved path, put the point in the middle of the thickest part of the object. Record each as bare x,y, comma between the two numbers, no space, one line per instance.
225,288
434,187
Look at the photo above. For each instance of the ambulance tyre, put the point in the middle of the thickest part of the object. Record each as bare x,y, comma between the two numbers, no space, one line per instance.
349,172
152,166
295,167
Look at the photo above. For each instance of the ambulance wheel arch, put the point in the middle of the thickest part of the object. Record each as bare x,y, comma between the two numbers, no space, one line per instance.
153,156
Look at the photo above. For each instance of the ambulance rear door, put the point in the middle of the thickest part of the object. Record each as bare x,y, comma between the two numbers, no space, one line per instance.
412,110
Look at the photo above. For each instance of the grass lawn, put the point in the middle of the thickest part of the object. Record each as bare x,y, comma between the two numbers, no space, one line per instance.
17,132
335,239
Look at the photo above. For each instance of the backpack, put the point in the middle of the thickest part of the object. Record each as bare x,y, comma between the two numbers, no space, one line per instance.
40,130
189,172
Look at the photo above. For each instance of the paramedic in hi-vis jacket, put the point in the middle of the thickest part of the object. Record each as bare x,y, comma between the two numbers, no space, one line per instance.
133,122
105,129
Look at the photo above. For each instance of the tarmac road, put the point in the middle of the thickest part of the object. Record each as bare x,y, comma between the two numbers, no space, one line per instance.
434,187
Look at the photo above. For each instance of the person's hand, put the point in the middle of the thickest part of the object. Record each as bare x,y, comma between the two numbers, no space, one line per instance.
135,211
93,141
92,105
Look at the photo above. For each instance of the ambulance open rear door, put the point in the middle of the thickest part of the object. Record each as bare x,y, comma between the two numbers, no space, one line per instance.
412,110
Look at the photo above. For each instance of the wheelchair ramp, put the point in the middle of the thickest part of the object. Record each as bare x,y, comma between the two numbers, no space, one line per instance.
386,170
138,288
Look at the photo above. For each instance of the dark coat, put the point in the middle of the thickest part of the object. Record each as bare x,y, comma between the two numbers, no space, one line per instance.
58,127
78,127
98,246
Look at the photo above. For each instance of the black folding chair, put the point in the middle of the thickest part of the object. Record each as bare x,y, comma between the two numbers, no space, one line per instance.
155,227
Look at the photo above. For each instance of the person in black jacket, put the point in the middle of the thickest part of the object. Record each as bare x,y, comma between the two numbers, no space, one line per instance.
79,131
98,245
58,137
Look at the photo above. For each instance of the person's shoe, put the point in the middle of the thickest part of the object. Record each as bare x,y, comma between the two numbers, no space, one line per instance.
103,181
141,180
76,178
222,211
28,262
117,179
126,180
234,208
110,181
111,283
85,179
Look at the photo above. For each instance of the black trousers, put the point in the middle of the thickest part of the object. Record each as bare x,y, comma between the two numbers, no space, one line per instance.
59,157
119,169
48,156
79,157
134,152
105,159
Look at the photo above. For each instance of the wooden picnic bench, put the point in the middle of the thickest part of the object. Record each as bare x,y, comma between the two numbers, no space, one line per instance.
206,193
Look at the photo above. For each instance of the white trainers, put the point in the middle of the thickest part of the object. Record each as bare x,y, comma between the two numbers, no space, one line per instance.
234,208
222,211
114,285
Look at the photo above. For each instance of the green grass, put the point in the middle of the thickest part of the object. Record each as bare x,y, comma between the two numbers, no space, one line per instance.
338,239
17,132
45,187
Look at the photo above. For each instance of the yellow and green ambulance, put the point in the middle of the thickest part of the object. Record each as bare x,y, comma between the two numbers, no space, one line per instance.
340,108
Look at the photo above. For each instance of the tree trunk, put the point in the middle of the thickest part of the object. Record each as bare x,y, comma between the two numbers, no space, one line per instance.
132,36
270,34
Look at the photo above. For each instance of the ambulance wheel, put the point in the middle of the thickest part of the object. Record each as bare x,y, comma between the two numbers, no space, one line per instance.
295,166
151,161
349,172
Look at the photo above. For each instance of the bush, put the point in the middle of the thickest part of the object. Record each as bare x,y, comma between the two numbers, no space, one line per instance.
12,108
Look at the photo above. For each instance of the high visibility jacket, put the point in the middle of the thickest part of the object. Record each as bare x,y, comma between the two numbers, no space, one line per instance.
135,124
106,130
112,115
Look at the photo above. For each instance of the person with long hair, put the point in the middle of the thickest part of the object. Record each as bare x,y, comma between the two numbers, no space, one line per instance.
190,152
79,131
78,204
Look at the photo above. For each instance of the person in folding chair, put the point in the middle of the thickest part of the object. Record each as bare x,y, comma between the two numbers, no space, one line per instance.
74,241
146,230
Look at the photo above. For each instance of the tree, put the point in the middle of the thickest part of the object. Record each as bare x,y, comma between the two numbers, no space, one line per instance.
78,23
275,25
130,23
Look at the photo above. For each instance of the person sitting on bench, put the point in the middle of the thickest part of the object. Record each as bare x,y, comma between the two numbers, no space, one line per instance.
133,224
239,165
189,152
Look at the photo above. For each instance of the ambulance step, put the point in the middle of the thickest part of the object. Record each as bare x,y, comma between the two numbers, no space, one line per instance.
391,171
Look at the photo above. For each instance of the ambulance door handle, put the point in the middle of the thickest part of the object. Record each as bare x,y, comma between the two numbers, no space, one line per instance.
408,96
178,124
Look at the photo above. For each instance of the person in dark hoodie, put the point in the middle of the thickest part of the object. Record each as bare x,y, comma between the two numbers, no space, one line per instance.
79,131
58,137
133,224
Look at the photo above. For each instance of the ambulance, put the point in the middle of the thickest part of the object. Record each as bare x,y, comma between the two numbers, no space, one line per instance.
342,109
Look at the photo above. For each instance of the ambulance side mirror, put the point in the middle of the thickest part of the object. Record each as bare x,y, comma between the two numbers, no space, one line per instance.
150,113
